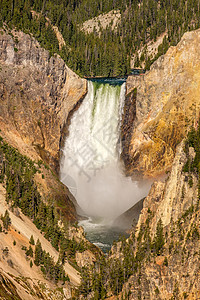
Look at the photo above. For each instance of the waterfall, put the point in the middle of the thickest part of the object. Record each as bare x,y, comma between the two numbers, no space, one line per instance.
90,166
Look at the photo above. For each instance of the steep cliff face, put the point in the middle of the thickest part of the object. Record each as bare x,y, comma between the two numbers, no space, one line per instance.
168,200
167,103
37,92
37,95
19,279
160,259
164,248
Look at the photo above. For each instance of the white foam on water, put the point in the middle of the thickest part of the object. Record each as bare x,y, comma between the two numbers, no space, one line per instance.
101,245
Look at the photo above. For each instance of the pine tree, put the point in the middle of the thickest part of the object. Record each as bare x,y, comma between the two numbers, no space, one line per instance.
29,252
38,253
6,220
159,241
31,263
32,242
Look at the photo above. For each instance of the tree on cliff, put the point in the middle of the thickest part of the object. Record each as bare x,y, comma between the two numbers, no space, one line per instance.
32,242
159,240
6,220
38,253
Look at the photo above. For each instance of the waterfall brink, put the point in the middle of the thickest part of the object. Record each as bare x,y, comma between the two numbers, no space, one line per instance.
90,166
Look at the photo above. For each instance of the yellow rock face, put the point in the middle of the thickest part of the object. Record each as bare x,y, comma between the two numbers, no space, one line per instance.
167,104
37,92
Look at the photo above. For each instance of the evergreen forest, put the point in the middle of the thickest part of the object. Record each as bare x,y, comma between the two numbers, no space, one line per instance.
17,173
109,52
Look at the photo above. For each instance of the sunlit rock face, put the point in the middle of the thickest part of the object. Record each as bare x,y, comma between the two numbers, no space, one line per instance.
167,104
174,202
37,92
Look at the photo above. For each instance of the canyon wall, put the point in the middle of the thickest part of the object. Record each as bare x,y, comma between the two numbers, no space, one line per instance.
37,92
164,104
173,271
167,104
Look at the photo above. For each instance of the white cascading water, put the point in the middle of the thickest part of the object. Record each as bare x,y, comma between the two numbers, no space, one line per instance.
90,166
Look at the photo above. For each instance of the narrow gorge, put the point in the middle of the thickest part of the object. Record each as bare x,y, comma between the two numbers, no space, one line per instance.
91,165
89,153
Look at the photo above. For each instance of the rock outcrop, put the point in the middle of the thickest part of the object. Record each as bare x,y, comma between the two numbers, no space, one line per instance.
173,271
85,258
170,199
167,104
37,92
130,217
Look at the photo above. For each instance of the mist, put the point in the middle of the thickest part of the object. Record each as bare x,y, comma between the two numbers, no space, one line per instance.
107,194
90,164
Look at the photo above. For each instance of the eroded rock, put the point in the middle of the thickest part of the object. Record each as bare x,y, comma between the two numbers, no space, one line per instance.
37,92
167,104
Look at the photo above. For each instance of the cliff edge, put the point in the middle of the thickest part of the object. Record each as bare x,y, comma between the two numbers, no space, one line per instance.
164,103
37,92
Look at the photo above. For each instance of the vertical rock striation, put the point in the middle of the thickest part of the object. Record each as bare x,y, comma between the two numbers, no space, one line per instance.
167,104
166,261
37,92
173,271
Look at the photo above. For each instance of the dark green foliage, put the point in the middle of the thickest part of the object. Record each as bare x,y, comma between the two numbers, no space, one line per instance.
85,287
18,173
95,281
159,241
38,254
32,242
109,53
165,263
195,233
24,248
111,274
157,291
186,166
6,220
14,243
29,252
192,166
53,271
190,182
